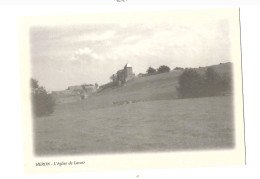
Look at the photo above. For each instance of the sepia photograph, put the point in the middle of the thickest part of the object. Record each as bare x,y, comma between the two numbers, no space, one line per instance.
133,83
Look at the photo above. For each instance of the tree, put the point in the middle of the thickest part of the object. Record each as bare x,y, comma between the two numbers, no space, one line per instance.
211,83
163,69
211,75
227,82
114,79
190,83
150,70
178,68
34,84
42,103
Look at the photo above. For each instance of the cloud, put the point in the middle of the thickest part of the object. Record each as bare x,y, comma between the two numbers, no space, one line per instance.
96,51
86,57
173,45
83,51
101,36
131,39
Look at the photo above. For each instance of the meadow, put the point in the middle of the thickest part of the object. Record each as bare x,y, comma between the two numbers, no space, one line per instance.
149,126
145,115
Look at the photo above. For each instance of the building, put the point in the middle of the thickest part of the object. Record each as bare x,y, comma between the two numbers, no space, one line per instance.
128,70
124,75
74,93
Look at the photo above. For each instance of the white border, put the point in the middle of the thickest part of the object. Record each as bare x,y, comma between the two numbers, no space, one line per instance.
12,150
144,160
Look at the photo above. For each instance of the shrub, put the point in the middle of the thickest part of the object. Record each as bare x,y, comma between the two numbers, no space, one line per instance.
212,82
163,69
192,84
227,82
178,68
150,70
42,103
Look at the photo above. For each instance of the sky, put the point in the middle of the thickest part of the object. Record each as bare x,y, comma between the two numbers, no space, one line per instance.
88,53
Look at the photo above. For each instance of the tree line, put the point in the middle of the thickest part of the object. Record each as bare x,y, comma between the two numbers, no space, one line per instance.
193,84
161,69
42,102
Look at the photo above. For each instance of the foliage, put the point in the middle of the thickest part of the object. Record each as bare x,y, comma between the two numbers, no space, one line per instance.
178,68
192,84
163,69
113,78
34,84
42,103
150,70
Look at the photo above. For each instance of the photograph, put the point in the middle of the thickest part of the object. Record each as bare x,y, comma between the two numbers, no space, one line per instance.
132,83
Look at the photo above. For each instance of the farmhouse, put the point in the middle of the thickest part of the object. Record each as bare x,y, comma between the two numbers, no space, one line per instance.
74,93
124,75
84,87
83,90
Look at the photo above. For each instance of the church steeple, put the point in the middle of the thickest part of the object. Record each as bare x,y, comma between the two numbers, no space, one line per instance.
128,65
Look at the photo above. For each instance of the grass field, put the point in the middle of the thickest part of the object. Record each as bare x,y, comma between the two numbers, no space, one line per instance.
161,125
143,116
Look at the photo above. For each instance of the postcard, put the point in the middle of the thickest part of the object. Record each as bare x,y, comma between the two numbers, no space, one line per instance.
131,90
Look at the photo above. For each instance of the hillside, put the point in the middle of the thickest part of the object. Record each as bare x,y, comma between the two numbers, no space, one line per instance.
142,116
155,87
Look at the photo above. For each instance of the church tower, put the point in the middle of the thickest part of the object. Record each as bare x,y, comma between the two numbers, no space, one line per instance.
128,72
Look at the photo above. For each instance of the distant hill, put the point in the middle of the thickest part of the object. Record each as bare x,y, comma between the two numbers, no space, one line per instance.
155,87
142,116
73,93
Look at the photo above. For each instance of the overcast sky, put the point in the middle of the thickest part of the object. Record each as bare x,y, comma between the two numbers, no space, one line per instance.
90,53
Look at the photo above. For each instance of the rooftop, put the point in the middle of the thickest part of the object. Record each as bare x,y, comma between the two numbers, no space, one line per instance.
128,65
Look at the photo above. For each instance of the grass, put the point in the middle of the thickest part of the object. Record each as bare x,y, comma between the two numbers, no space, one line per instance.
143,116
161,125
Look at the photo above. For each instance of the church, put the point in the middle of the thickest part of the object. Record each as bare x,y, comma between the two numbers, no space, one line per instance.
124,75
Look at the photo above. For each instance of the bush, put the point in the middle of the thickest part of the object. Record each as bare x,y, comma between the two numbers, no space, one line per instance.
150,70
42,103
212,82
178,68
192,84
227,82
163,69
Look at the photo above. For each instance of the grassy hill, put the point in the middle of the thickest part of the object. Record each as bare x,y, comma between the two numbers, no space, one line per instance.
142,116
155,87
